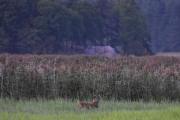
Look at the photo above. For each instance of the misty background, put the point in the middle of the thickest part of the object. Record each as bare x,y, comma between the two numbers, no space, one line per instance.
70,26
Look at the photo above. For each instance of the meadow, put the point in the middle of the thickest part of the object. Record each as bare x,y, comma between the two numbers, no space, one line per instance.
67,110
47,87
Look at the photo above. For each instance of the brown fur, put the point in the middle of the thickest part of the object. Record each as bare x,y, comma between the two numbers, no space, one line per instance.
92,104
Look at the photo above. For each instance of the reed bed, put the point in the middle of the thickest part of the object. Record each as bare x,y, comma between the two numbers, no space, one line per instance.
80,77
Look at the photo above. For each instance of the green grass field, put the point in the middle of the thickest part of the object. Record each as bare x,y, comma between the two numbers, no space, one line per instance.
68,110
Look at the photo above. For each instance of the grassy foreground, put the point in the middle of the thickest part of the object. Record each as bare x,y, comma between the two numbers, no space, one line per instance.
67,110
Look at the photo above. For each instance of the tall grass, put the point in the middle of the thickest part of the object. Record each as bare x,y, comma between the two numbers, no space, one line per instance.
60,106
68,110
58,76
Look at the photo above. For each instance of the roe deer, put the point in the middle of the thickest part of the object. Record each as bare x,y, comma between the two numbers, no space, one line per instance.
92,104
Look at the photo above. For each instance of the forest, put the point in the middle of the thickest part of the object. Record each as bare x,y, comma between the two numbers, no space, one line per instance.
69,26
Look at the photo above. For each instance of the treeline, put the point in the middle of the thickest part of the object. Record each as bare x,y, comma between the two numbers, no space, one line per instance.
64,26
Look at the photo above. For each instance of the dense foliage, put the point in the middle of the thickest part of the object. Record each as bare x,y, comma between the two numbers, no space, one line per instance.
163,21
122,78
64,26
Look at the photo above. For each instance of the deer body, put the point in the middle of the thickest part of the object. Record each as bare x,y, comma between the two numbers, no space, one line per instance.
92,104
